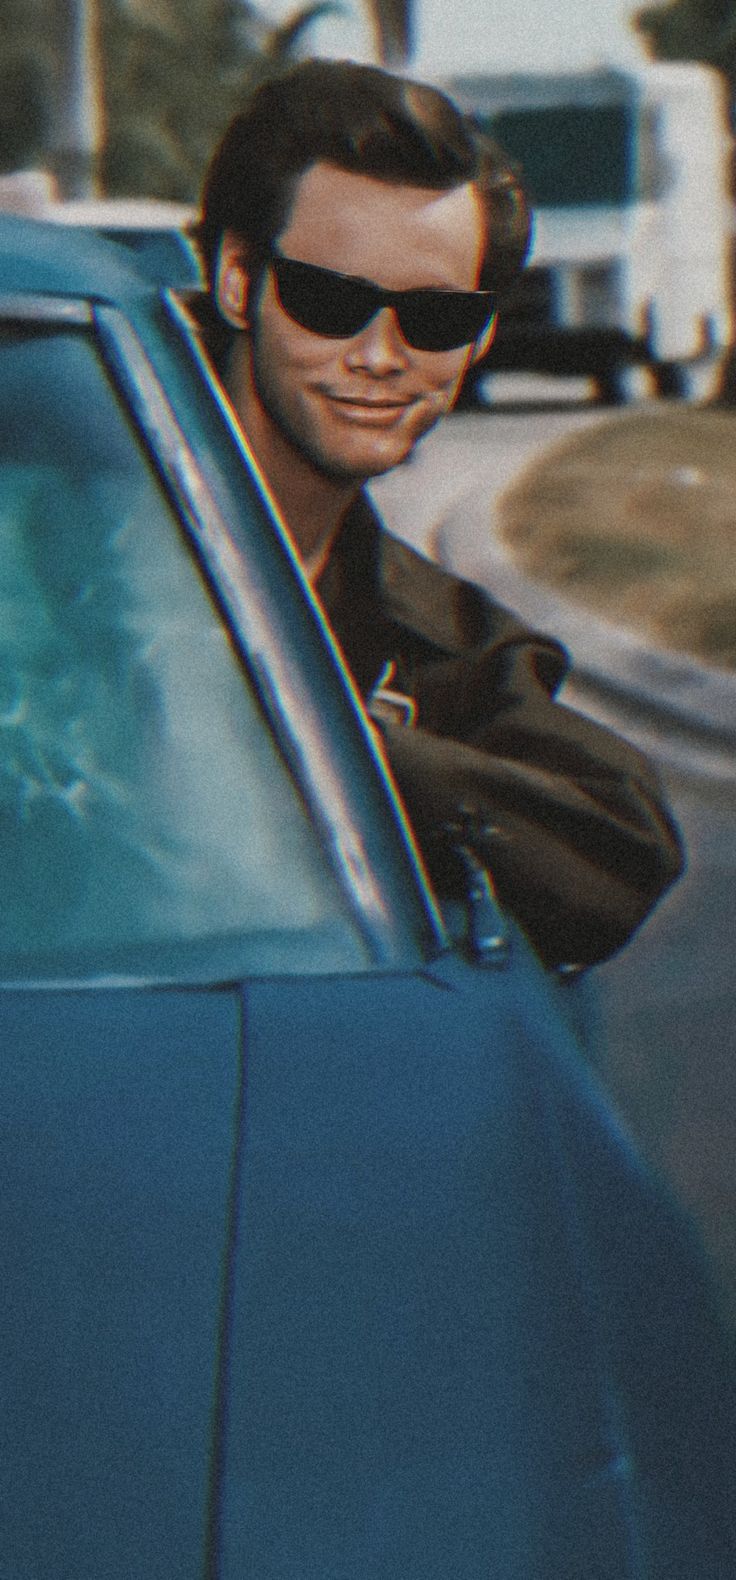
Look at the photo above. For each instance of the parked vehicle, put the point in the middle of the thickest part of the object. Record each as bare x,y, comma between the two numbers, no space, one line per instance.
629,173
156,230
321,1253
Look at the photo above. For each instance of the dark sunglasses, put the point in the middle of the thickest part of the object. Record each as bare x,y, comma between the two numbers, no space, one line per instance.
340,305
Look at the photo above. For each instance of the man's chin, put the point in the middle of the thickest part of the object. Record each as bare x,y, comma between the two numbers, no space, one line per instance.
362,464
341,472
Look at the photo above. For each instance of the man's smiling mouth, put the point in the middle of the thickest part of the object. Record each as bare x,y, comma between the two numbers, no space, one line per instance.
365,408
371,401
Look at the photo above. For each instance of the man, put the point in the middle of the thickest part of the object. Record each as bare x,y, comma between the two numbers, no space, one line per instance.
357,232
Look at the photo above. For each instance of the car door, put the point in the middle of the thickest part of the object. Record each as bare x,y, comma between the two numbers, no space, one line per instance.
295,1202
156,850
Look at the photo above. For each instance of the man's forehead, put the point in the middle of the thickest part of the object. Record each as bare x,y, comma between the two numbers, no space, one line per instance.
359,223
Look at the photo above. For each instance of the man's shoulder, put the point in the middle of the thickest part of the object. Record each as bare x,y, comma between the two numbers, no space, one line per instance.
443,609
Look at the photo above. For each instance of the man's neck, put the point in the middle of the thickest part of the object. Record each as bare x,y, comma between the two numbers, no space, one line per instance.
312,504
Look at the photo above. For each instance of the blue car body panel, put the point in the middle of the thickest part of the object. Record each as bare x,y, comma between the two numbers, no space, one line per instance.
37,257
119,1118
314,1279
438,1219
402,1402
394,1398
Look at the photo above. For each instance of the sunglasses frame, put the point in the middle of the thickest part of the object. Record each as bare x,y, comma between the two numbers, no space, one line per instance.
369,299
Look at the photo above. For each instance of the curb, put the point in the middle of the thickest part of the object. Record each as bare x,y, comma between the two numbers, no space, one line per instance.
673,692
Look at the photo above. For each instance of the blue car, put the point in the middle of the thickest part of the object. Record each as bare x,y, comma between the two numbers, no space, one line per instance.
322,1257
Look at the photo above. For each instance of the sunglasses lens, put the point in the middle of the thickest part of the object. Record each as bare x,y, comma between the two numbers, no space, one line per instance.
443,320
337,306
321,301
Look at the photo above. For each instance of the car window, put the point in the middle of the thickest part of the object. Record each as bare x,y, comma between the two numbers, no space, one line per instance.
150,828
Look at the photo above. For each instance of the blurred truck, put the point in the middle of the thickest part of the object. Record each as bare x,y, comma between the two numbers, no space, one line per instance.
629,175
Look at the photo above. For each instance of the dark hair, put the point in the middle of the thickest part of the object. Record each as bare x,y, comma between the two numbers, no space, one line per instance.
364,119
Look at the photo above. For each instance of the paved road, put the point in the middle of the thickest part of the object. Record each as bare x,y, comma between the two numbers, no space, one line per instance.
470,454
660,1018
474,456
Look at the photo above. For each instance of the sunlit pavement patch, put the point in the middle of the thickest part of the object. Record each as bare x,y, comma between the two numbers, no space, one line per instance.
634,519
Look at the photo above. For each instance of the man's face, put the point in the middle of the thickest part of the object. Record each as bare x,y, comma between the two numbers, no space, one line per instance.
357,406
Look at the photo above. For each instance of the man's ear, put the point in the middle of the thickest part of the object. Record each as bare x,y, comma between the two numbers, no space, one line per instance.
485,341
232,280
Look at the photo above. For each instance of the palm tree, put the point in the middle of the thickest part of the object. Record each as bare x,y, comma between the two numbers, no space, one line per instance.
168,74
175,71
392,22
172,78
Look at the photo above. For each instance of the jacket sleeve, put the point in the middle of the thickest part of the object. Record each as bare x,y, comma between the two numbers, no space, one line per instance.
569,819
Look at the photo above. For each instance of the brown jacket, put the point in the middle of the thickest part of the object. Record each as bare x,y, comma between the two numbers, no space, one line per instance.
568,817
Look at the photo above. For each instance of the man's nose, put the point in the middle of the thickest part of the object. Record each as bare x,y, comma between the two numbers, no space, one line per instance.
380,348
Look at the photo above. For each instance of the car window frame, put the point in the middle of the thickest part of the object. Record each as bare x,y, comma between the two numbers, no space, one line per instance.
376,865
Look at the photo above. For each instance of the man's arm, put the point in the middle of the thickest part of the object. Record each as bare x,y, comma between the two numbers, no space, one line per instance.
569,818
574,833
